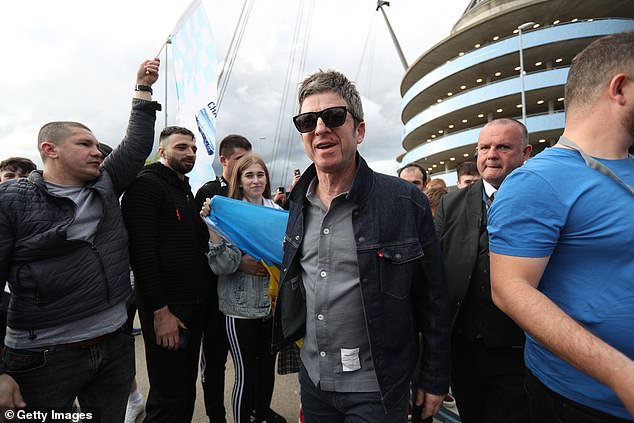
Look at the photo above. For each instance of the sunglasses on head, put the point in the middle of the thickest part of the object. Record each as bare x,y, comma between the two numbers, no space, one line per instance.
332,117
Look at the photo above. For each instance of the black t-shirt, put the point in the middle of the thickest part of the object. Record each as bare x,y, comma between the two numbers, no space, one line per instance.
218,186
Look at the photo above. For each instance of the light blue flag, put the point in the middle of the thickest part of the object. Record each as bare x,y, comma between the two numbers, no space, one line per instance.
256,230
195,71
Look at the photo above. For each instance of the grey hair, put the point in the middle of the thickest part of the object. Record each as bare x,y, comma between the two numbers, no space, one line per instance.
337,82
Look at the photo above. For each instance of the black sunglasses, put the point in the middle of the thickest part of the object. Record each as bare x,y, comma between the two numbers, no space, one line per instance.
332,117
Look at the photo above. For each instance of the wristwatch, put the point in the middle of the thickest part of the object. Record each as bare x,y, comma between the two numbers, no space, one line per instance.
145,88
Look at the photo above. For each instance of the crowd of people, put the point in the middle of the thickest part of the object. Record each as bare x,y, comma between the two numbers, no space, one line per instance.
515,288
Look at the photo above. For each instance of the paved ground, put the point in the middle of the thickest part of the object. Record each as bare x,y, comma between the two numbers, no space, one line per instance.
285,397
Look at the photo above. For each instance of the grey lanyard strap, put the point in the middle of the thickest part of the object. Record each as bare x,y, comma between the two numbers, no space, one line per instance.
594,163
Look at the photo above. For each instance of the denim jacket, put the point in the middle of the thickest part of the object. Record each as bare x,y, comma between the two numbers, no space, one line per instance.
239,294
401,276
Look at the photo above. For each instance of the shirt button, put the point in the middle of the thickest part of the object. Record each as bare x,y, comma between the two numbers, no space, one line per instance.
326,231
323,353
296,237
361,239
320,317
323,274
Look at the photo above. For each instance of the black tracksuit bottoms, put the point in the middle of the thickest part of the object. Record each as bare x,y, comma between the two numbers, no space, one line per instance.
250,345
172,374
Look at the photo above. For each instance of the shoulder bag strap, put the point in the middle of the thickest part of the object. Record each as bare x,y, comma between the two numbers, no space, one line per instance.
594,163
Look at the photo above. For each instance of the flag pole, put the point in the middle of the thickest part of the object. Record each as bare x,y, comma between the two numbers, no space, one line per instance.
168,41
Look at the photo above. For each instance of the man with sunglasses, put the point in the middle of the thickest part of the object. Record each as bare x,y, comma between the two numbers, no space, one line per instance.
362,273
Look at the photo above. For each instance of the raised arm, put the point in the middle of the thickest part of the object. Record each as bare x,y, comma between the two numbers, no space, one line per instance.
514,282
129,157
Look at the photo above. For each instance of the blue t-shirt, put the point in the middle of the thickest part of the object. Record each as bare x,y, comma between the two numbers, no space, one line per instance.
556,206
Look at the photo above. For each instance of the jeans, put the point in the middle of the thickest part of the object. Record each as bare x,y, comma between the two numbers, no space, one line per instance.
349,407
100,376
547,406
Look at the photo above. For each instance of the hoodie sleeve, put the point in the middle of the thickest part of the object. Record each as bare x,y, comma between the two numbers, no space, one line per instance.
140,206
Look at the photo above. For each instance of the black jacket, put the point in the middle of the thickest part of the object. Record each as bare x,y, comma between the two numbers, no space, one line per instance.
55,281
168,240
401,279
458,220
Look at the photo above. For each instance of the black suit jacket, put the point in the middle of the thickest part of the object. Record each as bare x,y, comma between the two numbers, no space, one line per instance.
458,219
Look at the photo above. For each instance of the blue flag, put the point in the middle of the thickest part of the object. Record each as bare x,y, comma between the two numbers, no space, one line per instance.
256,230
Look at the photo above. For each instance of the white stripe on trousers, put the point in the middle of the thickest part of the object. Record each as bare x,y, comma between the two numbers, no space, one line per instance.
238,386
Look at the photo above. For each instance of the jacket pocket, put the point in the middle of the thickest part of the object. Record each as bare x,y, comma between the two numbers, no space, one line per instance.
397,264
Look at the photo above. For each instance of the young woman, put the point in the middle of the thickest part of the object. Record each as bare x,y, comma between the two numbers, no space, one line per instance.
243,298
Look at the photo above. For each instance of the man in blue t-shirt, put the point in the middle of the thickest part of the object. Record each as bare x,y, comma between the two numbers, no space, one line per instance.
561,236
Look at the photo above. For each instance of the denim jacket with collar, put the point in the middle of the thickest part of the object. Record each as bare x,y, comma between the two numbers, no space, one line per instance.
401,276
239,294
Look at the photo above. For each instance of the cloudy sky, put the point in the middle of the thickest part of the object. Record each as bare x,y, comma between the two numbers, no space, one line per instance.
76,60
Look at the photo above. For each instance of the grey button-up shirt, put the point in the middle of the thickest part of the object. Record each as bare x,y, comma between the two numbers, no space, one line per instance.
336,349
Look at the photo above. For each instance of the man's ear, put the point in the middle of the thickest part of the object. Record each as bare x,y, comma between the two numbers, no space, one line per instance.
223,160
49,150
161,152
360,132
616,88
527,152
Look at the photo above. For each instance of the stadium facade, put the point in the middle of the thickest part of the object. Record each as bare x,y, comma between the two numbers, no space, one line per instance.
473,75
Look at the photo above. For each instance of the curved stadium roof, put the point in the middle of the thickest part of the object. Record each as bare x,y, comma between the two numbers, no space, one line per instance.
472,76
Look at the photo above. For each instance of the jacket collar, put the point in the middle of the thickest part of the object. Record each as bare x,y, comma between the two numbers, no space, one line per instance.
166,173
474,202
361,185
37,178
